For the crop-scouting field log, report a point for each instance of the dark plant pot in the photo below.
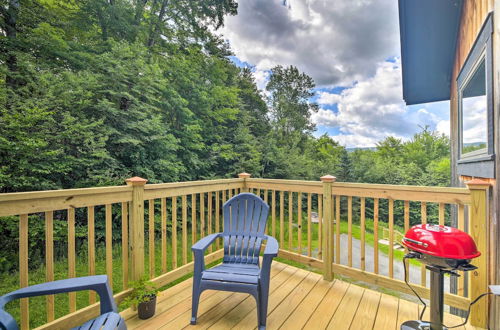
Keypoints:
(147, 309)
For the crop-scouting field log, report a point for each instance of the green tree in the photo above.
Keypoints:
(289, 101)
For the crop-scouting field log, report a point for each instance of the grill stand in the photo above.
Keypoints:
(436, 305)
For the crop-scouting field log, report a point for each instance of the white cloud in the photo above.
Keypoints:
(335, 42)
(261, 78)
(327, 98)
(443, 126)
(352, 140)
(325, 117)
(373, 109)
(475, 119)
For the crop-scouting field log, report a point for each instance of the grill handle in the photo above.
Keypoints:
(415, 242)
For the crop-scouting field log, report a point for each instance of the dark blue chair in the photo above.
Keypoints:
(109, 318)
(245, 217)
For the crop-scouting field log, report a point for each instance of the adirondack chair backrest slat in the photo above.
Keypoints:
(245, 217)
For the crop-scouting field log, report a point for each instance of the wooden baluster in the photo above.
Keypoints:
(151, 238)
(320, 226)
(349, 231)
(109, 245)
(184, 230)
(309, 207)
(125, 269)
(375, 235)
(266, 192)
(202, 214)
(461, 226)
(299, 221)
(423, 217)
(407, 227)
(273, 211)
(224, 200)
(337, 228)
(49, 261)
(217, 218)
(23, 268)
(71, 256)
(164, 235)
(91, 248)
(193, 219)
(441, 214)
(362, 225)
(282, 219)
(290, 220)
(391, 238)
(209, 225)
(174, 232)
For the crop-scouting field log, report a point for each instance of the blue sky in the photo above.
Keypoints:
(351, 49)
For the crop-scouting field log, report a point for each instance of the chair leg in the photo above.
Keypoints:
(258, 298)
(195, 300)
(262, 308)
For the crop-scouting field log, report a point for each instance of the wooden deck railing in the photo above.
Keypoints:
(174, 215)
(336, 203)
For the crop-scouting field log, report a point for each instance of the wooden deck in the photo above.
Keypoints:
(299, 299)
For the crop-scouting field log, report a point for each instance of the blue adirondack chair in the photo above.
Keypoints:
(245, 217)
(109, 318)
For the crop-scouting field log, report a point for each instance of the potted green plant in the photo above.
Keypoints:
(143, 296)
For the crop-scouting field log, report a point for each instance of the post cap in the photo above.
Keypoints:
(136, 181)
(244, 175)
(477, 183)
(328, 178)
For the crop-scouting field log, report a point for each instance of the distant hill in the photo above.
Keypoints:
(475, 144)
(361, 148)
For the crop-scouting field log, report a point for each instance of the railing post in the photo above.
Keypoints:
(136, 227)
(244, 176)
(327, 226)
(478, 229)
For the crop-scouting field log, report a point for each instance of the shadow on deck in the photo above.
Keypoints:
(299, 299)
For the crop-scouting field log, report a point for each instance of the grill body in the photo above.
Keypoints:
(443, 250)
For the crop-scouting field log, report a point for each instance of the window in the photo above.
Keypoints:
(474, 114)
(475, 108)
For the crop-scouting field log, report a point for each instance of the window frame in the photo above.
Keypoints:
(481, 162)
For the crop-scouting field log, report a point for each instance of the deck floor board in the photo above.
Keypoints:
(298, 299)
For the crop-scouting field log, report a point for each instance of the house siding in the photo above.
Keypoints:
(474, 14)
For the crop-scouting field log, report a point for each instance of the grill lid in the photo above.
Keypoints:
(441, 241)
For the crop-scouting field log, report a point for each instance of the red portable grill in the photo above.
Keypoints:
(444, 250)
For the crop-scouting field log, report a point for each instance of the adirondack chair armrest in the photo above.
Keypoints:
(98, 283)
(272, 247)
(205, 242)
(199, 248)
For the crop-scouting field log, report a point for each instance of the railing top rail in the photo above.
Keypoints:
(185, 184)
(397, 192)
(454, 190)
(18, 196)
(162, 190)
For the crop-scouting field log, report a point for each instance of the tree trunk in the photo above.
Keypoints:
(155, 28)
